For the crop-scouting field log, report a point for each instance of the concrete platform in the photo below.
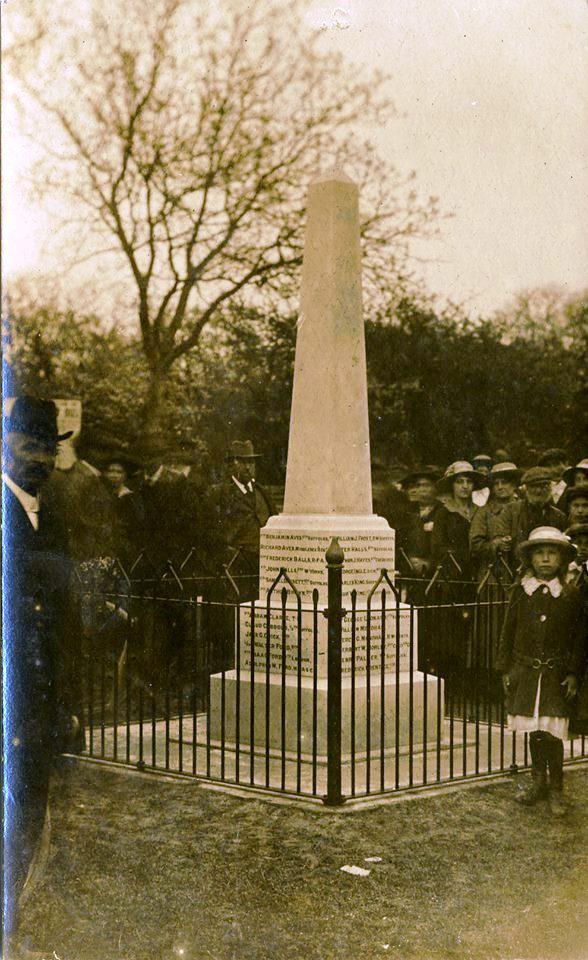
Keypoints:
(286, 701)
(466, 750)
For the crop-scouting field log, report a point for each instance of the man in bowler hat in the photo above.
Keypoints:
(240, 507)
(40, 645)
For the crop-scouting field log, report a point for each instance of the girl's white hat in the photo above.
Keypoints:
(550, 536)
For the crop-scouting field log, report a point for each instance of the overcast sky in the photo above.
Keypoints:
(494, 120)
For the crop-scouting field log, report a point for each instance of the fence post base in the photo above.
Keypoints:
(336, 801)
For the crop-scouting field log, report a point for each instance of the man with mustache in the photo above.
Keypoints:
(40, 646)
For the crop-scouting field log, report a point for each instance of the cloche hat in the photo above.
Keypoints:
(568, 475)
(461, 468)
(551, 536)
(571, 494)
(428, 473)
(127, 461)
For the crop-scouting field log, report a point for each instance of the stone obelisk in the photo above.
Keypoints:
(328, 476)
(328, 494)
(329, 451)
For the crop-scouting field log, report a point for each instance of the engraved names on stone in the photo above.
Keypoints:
(302, 555)
(283, 638)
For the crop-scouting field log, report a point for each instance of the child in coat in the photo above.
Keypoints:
(540, 657)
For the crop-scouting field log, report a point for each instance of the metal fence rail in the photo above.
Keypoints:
(359, 698)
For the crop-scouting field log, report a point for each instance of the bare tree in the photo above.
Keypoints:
(185, 142)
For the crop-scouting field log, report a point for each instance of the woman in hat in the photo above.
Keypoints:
(577, 476)
(125, 504)
(486, 543)
(573, 479)
(575, 504)
(540, 657)
(420, 488)
(451, 529)
(488, 549)
(578, 576)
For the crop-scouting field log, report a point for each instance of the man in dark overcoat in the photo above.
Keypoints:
(40, 637)
(78, 495)
(239, 508)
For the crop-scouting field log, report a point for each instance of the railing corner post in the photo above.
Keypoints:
(334, 614)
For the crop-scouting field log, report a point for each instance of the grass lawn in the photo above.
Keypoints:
(142, 868)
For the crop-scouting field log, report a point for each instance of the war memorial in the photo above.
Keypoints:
(328, 495)
(335, 686)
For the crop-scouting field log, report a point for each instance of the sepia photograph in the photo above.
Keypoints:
(294, 479)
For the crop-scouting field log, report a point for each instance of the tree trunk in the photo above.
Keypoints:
(151, 439)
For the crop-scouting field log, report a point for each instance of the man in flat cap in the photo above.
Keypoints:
(535, 509)
(41, 638)
(555, 461)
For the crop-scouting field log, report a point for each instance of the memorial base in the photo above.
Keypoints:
(232, 696)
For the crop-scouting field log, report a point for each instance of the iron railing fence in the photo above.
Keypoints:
(358, 697)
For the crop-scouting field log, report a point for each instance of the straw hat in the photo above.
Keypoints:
(505, 471)
(461, 468)
(548, 536)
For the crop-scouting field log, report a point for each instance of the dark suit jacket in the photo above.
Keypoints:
(420, 541)
(451, 533)
(236, 518)
(87, 509)
(41, 628)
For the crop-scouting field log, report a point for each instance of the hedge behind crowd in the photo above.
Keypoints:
(442, 386)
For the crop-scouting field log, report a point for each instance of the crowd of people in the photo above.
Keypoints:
(473, 517)
(470, 520)
(466, 521)
(120, 508)
(486, 521)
